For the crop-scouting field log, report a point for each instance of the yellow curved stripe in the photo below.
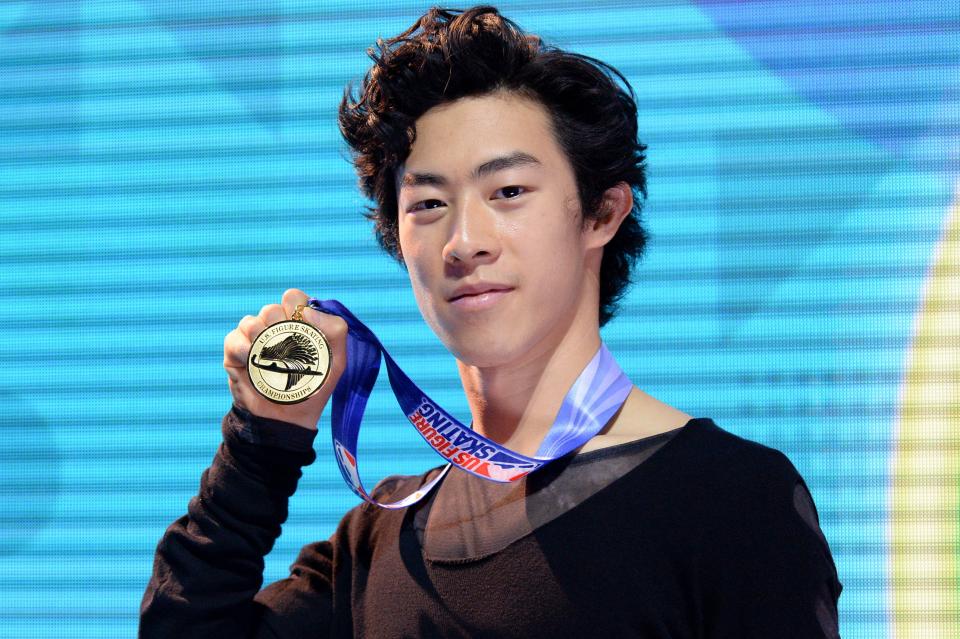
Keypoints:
(925, 521)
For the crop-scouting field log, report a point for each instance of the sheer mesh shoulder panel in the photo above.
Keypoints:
(468, 518)
(826, 607)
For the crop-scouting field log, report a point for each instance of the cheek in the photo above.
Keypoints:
(409, 251)
(403, 240)
(559, 272)
(418, 269)
(556, 252)
(418, 278)
(420, 282)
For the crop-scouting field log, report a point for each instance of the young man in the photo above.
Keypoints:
(507, 178)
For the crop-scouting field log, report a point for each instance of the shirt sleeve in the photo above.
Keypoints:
(208, 567)
(771, 573)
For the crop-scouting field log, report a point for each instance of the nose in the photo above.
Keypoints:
(473, 238)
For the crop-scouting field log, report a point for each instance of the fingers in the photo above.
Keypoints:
(291, 298)
(332, 326)
(236, 345)
(236, 350)
(271, 314)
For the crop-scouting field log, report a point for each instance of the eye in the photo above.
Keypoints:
(424, 205)
(510, 192)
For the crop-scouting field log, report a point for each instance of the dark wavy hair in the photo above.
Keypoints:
(449, 54)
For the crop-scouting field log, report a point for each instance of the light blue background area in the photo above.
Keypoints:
(169, 167)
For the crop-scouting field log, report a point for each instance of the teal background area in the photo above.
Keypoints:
(167, 168)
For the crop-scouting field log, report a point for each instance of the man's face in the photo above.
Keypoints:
(489, 229)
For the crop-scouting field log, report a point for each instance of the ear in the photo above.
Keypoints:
(616, 206)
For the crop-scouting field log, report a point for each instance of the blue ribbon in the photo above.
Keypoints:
(598, 392)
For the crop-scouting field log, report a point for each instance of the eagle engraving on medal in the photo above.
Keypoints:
(289, 361)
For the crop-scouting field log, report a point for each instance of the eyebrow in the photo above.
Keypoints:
(509, 161)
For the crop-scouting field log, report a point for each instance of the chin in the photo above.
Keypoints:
(486, 339)
(479, 350)
(475, 358)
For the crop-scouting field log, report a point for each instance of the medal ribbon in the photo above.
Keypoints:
(598, 392)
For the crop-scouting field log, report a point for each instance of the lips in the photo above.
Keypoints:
(474, 290)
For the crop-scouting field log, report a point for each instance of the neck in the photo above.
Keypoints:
(516, 404)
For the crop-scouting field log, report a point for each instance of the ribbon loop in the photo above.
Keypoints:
(595, 396)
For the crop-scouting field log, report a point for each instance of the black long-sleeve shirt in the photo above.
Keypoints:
(695, 533)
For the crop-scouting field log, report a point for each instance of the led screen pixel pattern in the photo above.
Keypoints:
(170, 167)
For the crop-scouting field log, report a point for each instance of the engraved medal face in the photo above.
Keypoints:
(289, 361)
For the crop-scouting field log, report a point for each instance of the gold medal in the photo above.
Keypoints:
(289, 360)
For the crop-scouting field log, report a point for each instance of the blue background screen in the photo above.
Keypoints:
(169, 167)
